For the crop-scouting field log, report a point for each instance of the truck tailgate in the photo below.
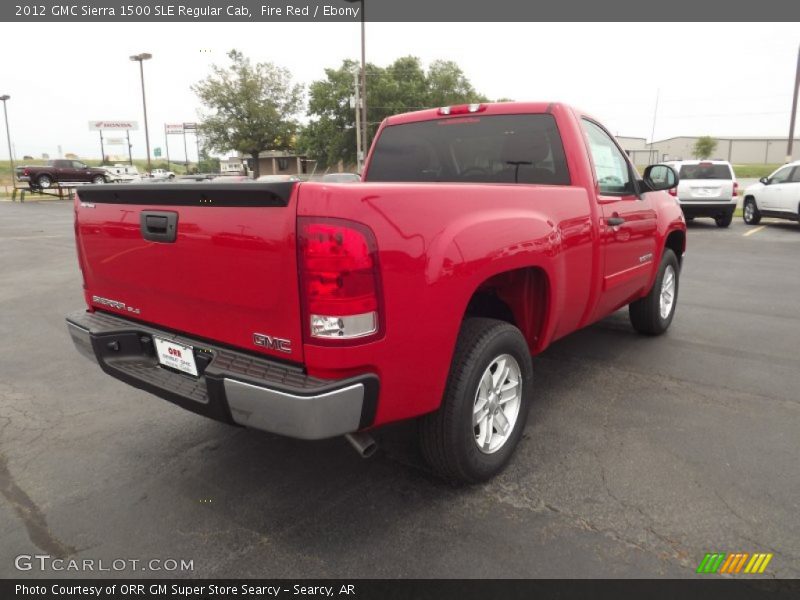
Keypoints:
(229, 274)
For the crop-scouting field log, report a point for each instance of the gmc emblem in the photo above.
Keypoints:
(273, 343)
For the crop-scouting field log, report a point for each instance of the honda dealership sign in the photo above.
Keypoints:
(119, 125)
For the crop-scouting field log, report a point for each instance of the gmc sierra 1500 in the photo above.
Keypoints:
(477, 236)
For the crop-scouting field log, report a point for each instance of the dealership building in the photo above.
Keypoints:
(737, 150)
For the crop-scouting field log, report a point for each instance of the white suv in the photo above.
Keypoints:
(706, 188)
(776, 196)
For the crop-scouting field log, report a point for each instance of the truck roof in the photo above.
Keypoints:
(491, 108)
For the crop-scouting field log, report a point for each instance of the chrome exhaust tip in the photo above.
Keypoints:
(363, 443)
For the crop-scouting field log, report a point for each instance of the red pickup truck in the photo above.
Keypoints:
(477, 236)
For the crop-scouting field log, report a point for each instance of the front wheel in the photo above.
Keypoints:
(480, 422)
(98, 179)
(653, 314)
(750, 212)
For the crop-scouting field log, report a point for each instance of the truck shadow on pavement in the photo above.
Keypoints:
(317, 499)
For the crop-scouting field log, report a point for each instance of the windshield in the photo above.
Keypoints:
(476, 149)
(705, 171)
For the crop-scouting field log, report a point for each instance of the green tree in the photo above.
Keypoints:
(704, 147)
(250, 107)
(400, 87)
(207, 164)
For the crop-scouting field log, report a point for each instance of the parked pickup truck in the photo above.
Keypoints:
(477, 236)
(61, 171)
(162, 174)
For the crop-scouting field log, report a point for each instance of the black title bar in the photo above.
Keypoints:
(283, 11)
(710, 588)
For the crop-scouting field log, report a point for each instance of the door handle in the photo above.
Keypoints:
(615, 221)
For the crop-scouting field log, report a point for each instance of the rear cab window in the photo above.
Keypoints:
(522, 149)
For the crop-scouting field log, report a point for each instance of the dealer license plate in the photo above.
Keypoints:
(176, 356)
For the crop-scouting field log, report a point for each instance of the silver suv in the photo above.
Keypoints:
(707, 188)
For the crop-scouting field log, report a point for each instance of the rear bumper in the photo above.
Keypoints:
(694, 208)
(233, 386)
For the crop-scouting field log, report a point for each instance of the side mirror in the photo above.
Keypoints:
(764, 180)
(660, 177)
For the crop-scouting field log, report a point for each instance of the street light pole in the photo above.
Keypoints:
(4, 98)
(794, 109)
(140, 58)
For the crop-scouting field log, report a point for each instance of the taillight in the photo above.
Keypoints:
(26, 172)
(673, 191)
(339, 279)
(735, 188)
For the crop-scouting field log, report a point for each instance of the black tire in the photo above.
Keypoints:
(448, 436)
(751, 217)
(44, 182)
(98, 179)
(645, 313)
(724, 220)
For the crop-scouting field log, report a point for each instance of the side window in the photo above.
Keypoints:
(796, 175)
(781, 176)
(76, 164)
(611, 168)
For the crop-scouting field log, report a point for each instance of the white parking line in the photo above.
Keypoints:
(752, 231)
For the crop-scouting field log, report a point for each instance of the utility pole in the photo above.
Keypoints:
(102, 148)
(359, 155)
(365, 122)
(655, 114)
(130, 151)
(197, 143)
(185, 152)
(166, 144)
(140, 58)
(794, 110)
(5, 98)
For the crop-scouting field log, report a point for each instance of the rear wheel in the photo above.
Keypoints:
(750, 212)
(44, 181)
(653, 314)
(724, 220)
(476, 429)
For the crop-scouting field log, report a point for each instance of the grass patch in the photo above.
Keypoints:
(754, 171)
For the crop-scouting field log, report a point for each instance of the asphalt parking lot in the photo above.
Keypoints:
(640, 455)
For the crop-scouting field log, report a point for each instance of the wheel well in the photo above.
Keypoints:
(676, 241)
(518, 297)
